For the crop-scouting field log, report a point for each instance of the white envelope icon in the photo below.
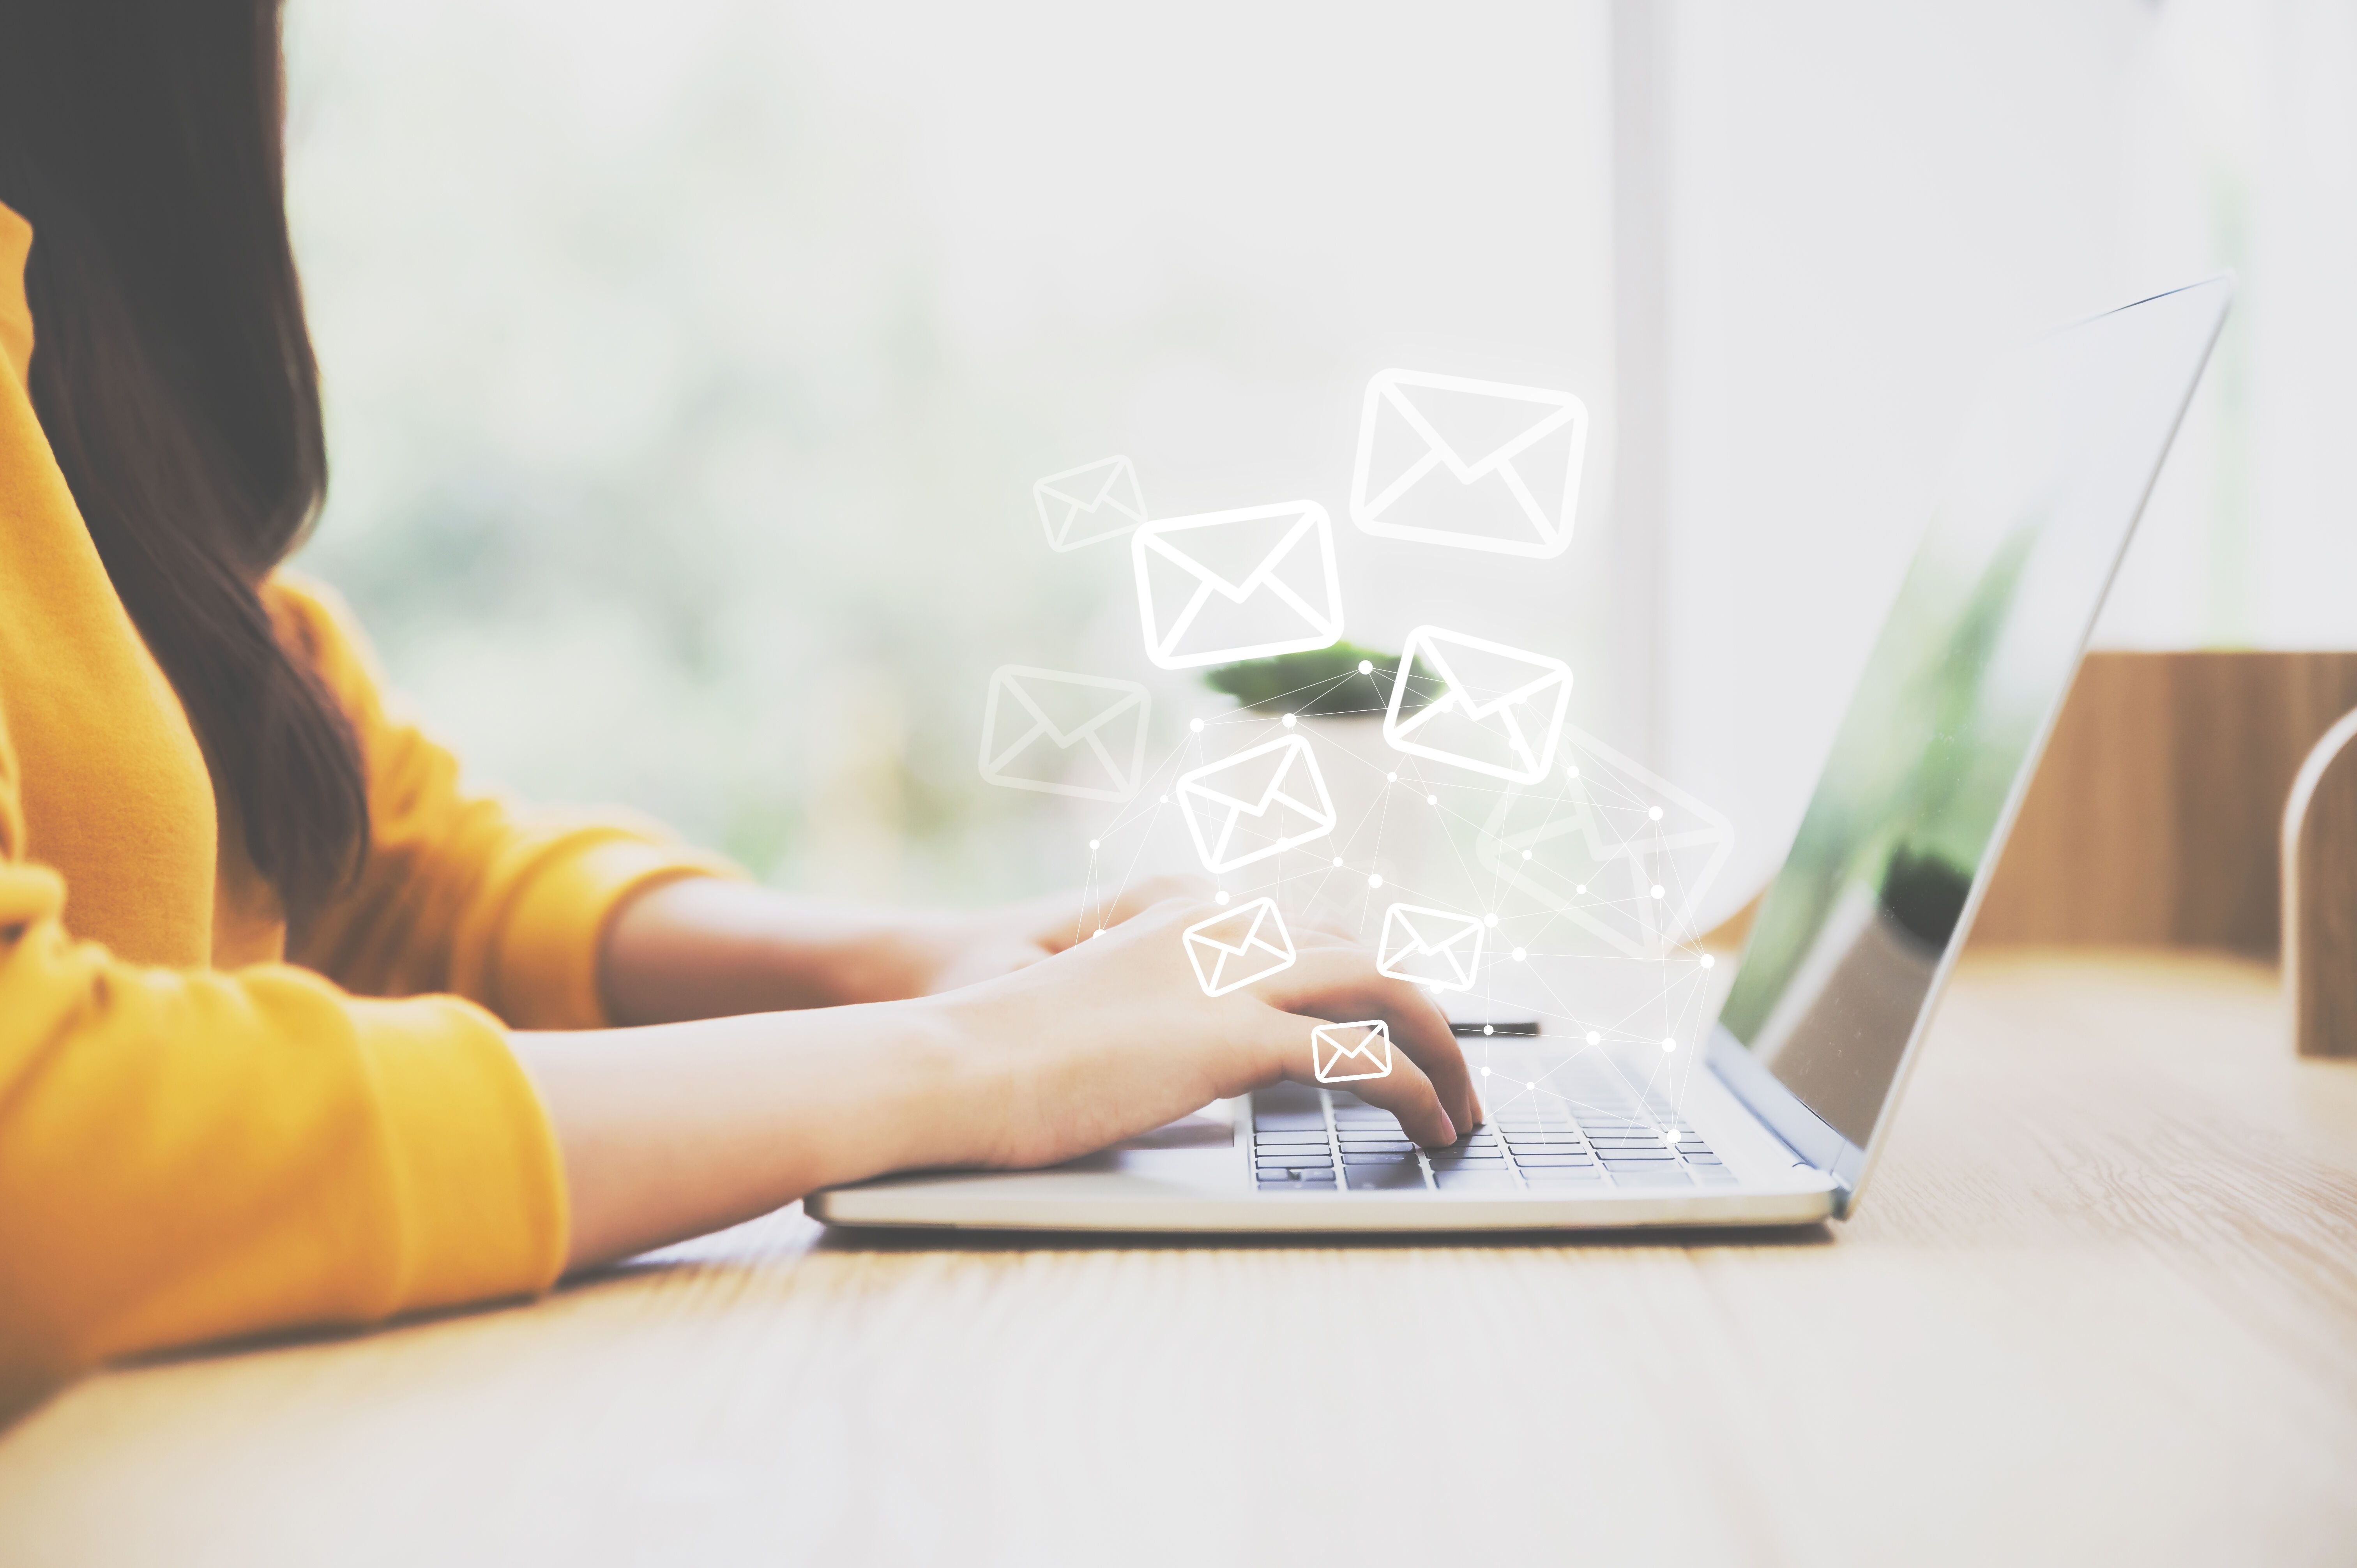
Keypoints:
(1489, 708)
(1345, 1052)
(1475, 464)
(1082, 735)
(1432, 946)
(1096, 500)
(1259, 802)
(1598, 844)
(1247, 584)
(1238, 946)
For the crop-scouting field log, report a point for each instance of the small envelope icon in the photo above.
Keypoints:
(1259, 802)
(1345, 1052)
(1238, 946)
(1432, 946)
(1096, 500)
(1247, 584)
(1489, 708)
(1475, 464)
(1082, 735)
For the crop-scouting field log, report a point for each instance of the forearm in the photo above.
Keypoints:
(704, 948)
(672, 1131)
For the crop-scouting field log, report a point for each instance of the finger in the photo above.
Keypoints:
(1341, 985)
(1403, 1090)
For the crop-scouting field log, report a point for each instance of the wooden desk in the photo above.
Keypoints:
(2099, 1306)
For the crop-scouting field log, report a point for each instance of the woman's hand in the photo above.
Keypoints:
(672, 1131)
(1115, 1037)
(705, 948)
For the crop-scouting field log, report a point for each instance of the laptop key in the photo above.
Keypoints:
(1654, 1177)
(1393, 1175)
(1483, 1181)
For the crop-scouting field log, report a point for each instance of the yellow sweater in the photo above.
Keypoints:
(199, 1139)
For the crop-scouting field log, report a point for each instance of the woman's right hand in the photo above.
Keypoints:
(669, 1130)
(1115, 1037)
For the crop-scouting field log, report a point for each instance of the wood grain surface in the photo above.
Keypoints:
(2100, 1305)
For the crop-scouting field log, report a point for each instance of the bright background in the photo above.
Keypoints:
(687, 376)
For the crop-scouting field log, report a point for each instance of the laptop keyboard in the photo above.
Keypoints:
(1316, 1139)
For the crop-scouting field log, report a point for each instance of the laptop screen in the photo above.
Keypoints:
(2053, 466)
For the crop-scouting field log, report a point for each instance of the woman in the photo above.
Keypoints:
(292, 1030)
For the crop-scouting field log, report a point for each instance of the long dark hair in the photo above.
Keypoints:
(172, 375)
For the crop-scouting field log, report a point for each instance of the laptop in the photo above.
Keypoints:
(1780, 1118)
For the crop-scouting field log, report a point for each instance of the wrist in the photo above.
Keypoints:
(934, 1078)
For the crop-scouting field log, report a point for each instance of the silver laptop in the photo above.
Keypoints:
(1781, 1120)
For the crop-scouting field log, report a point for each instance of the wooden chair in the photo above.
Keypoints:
(2319, 896)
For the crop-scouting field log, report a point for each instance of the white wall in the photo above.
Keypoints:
(1867, 199)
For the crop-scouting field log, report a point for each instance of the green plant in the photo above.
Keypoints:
(1326, 681)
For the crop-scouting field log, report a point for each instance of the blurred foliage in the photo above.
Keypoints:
(1323, 683)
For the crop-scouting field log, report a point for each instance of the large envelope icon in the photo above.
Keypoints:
(1060, 734)
(1487, 707)
(1479, 464)
(1246, 584)
(1259, 802)
(1346, 1053)
(1094, 501)
(1437, 948)
(1593, 848)
(1238, 946)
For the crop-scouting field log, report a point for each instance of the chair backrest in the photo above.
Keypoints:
(2319, 896)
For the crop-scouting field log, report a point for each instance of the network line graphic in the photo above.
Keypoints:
(1585, 887)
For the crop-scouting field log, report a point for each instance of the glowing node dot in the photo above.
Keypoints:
(1655, 813)
(1366, 666)
(1489, 1028)
(1290, 721)
(1526, 855)
(1657, 890)
(1095, 934)
(1375, 879)
(1337, 860)
(1166, 799)
(1530, 1086)
(1669, 1043)
(1521, 953)
(1220, 896)
(1708, 962)
(1669, 1135)
(1432, 800)
(1092, 843)
(1391, 777)
(1195, 724)
(1491, 921)
(1595, 1037)
(1571, 773)
(1485, 1072)
(1581, 888)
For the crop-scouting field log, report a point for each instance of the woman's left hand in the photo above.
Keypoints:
(706, 947)
(947, 951)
